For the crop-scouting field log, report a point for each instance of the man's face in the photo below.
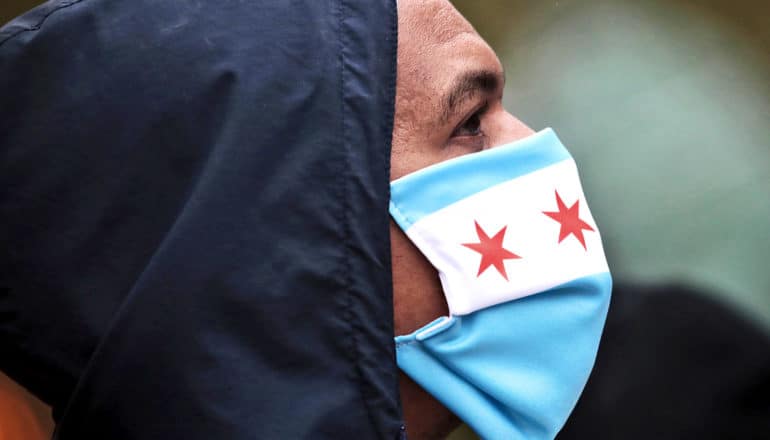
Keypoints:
(448, 103)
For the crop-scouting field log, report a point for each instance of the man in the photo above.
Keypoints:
(195, 200)
(437, 50)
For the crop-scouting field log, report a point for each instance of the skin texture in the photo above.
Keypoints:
(22, 416)
(437, 50)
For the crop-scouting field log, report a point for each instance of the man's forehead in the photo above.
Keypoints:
(436, 43)
(441, 61)
(433, 22)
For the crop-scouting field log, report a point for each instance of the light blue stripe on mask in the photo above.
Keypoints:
(515, 370)
(420, 194)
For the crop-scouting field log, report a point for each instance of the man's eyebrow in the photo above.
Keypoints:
(468, 85)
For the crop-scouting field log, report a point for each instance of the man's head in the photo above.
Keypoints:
(448, 103)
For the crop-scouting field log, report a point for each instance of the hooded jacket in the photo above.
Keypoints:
(193, 217)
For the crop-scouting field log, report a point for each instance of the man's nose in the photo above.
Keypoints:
(506, 128)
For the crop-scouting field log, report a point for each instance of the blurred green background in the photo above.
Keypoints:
(12, 8)
(665, 104)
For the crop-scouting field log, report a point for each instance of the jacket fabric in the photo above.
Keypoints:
(193, 217)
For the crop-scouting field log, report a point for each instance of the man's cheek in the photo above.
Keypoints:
(417, 294)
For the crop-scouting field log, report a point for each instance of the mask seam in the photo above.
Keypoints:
(402, 344)
(403, 216)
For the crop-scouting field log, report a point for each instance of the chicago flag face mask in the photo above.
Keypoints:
(525, 278)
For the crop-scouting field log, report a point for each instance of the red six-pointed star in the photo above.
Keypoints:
(570, 221)
(491, 250)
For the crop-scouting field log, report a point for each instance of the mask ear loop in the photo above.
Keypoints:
(435, 327)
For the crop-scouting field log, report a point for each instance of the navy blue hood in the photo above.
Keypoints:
(193, 217)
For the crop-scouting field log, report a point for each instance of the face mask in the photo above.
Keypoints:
(524, 274)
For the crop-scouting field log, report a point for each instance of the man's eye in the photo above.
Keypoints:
(471, 127)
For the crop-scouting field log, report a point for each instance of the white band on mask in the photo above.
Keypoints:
(538, 251)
